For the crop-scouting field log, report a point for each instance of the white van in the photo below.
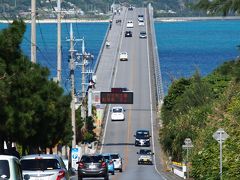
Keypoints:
(10, 168)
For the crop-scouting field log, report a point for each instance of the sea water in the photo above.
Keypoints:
(183, 47)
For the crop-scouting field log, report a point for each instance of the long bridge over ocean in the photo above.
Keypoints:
(141, 75)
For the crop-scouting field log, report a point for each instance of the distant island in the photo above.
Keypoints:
(76, 9)
(159, 19)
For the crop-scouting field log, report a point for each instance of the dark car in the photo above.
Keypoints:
(92, 166)
(142, 138)
(143, 34)
(128, 34)
(130, 8)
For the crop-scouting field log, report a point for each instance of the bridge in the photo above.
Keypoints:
(141, 75)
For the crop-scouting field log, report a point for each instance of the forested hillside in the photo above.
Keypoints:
(196, 108)
(161, 8)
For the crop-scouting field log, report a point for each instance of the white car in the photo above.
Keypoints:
(123, 56)
(141, 23)
(145, 156)
(44, 167)
(130, 24)
(117, 114)
(10, 168)
(117, 160)
(140, 17)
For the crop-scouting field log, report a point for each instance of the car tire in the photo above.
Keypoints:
(80, 178)
(120, 170)
(106, 177)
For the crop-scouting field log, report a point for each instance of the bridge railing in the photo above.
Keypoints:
(158, 75)
(101, 49)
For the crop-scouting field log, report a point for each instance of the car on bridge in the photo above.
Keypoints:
(123, 56)
(140, 17)
(128, 33)
(117, 113)
(142, 34)
(142, 138)
(145, 156)
(141, 23)
(130, 24)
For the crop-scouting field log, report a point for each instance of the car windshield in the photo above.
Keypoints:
(114, 156)
(4, 169)
(40, 164)
(142, 33)
(90, 159)
(145, 151)
(117, 110)
(107, 157)
(142, 134)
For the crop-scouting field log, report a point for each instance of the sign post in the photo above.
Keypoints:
(75, 156)
(188, 145)
(220, 135)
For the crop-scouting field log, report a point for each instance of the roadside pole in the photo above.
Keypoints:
(220, 135)
(188, 145)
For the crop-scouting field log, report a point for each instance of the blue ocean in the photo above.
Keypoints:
(183, 47)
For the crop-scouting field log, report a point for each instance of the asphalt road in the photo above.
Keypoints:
(134, 75)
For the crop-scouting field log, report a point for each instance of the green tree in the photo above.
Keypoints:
(34, 110)
(224, 7)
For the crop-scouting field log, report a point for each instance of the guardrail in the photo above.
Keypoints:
(101, 49)
(158, 75)
(179, 169)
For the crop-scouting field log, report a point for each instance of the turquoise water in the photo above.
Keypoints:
(183, 46)
(93, 34)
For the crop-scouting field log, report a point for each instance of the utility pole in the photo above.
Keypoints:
(59, 49)
(33, 31)
(83, 68)
(72, 68)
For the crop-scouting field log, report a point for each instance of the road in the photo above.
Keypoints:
(136, 75)
(133, 74)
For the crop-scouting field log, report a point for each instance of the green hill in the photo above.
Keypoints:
(196, 108)
(162, 8)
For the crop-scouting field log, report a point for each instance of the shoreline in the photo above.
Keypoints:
(179, 19)
(158, 19)
(46, 21)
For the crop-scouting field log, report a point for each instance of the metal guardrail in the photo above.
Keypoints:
(101, 50)
(158, 75)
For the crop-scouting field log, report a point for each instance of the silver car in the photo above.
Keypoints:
(44, 167)
(10, 168)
